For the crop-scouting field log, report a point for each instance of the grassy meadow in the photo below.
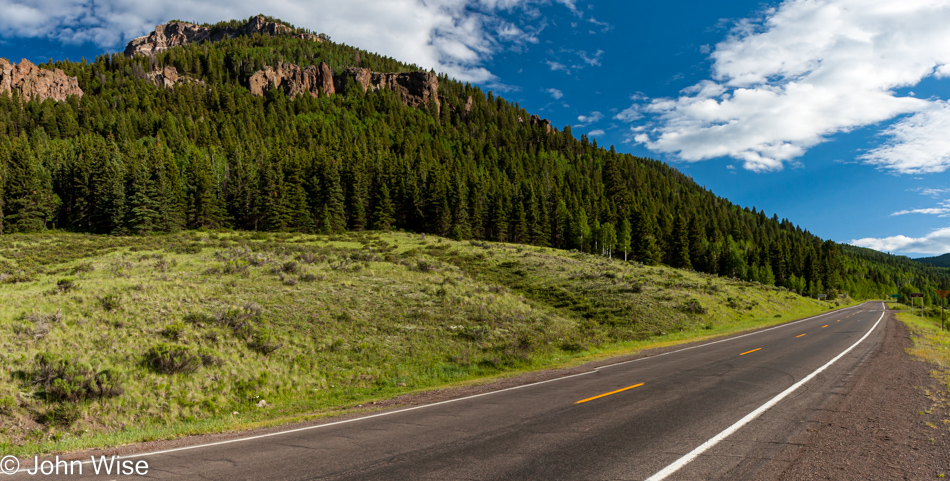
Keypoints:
(931, 344)
(113, 340)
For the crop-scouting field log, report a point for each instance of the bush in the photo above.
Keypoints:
(7, 405)
(263, 342)
(68, 380)
(65, 285)
(175, 331)
(63, 415)
(172, 359)
(110, 302)
(693, 306)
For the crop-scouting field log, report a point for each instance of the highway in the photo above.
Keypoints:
(720, 410)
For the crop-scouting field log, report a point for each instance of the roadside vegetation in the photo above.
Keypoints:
(931, 344)
(111, 340)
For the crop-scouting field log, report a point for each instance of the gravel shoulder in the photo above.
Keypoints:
(884, 426)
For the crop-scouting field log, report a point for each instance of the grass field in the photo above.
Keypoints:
(931, 344)
(113, 340)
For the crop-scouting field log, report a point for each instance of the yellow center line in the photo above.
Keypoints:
(608, 393)
(826, 325)
(800, 335)
(839, 320)
(744, 353)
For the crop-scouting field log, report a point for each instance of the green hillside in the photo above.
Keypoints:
(130, 157)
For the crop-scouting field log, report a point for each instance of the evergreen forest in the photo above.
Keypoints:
(132, 158)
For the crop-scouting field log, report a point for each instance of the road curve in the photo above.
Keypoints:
(630, 420)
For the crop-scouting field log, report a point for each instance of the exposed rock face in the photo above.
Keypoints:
(166, 36)
(416, 88)
(174, 34)
(32, 82)
(294, 80)
(545, 123)
(168, 77)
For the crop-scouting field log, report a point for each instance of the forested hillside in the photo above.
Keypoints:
(938, 261)
(130, 157)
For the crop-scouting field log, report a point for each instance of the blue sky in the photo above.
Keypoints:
(831, 113)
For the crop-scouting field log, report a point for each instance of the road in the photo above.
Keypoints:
(630, 420)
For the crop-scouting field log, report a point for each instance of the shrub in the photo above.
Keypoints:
(63, 415)
(7, 405)
(175, 331)
(110, 302)
(263, 342)
(172, 359)
(65, 285)
(68, 380)
(693, 306)
(289, 267)
(310, 277)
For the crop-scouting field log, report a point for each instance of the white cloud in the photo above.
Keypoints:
(596, 133)
(451, 36)
(592, 118)
(918, 144)
(557, 94)
(806, 70)
(555, 66)
(942, 210)
(936, 243)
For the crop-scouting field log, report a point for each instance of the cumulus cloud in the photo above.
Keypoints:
(935, 243)
(557, 94)
(592, 118)
(596, 133)
(451, 36)
(786, 81)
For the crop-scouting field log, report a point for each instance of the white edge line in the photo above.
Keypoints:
(683, 461)
(387, 413)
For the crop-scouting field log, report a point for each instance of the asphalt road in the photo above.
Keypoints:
(622, 421)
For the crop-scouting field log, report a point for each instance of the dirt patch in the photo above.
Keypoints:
(884, 427)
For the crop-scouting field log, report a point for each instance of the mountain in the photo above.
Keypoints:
(937, 261)
(259, 125)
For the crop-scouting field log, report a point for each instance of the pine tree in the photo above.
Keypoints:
(383, 217)
(680, 245)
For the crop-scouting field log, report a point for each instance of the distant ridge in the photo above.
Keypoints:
(937, 261)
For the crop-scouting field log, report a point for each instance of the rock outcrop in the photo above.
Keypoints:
(294, 80)
(166, 36)
(175, 34)
(32, 82)
(415, 88)
(168, 77)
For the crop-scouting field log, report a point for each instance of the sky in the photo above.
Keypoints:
(833, 114)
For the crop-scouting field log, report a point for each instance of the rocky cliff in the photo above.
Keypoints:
(174, 34)
(294, 80)
(415, 88)
(32, 82)
(168, 77)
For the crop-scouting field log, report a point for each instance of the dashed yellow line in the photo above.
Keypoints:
(608, 393)
(826, 325)
(800, 335)
(747, 352)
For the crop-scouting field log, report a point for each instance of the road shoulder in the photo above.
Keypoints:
(879, 428)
